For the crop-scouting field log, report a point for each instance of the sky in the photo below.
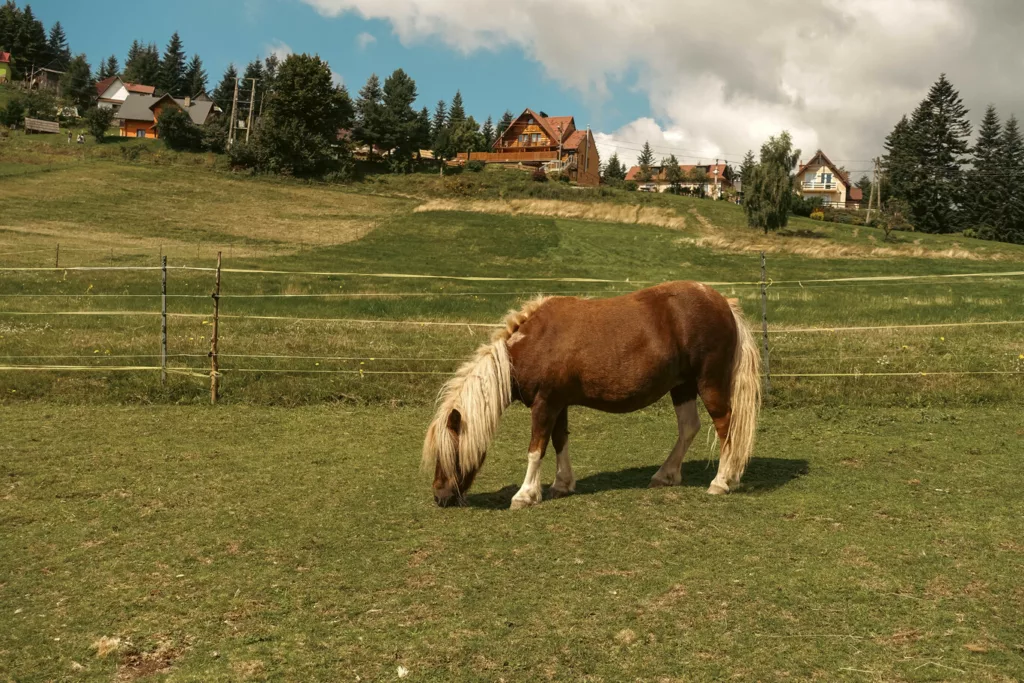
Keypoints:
(699, 79)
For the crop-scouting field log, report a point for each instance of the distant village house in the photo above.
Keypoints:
(716, 178)
(112, 92)
(549, 142)
(139, 113)
(45, 79)
(820, 179)
(5, 67)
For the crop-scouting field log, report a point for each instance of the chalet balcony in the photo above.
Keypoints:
(509, 156)
(821, 187)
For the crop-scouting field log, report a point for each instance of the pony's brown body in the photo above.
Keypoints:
(615, 355)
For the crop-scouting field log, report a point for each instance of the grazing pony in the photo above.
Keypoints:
(617, 355)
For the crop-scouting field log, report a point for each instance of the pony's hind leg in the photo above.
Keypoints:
(565, 482)
(688, 420)
(717, 404)
(531, 492)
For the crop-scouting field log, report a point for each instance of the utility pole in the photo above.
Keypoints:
(234, 116)
(252, 104)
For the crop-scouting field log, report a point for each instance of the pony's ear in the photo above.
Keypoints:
(454, 421)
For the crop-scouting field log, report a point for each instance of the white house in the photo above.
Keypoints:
(113, 92)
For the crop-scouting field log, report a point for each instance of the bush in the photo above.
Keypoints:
(176, 129)
(97, 122)
(130, 152)
(13, 114)
(539, 175)
(630, 186)
(804, 206)
(970, 233)
(245, 155)
(475, 165)
(817, 215)
(215, 135)
(563, 177)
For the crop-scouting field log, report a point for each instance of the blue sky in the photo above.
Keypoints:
(223, 31)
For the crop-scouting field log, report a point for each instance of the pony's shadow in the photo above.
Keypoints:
(763, 475)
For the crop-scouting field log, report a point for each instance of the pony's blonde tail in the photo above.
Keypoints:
(745, 400)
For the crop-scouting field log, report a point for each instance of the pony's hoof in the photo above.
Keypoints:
(559, 493)
(662, 484)
(521, 503)
(716, 490)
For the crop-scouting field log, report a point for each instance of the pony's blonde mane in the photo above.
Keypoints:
(480, 391)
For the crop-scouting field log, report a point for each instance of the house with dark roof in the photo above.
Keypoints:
(112, 92)
(820, 179)
(549, 142)
(5, 67)
(715, 179)
(139, 113)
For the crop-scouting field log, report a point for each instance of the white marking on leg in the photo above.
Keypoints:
(565, 480)
(531, 492)
(670, 473)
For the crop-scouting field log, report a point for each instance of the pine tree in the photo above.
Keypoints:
(747, 169)
(253, 70)
(30, 42)
(195, 77)
(900, 161)
(440, 120)
(172, 67)
(488, 133)
(57, 47)
(940, 131)
(143, 64)
(1010, 217)
(370, 114)
(984, 196)
(456, 112)
(113, 68)
(768, 191)
(78, 84)
(224, 94)
(400, 120)
(506, 120)
(645, 161)
(423, 131)
(614, 171)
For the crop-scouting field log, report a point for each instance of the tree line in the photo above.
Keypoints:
(949, 185)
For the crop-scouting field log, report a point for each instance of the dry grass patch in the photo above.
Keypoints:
(605, 213)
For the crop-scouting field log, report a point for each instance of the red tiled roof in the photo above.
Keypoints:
(101, 86)
(574, 140)
(856, 194)
(658, 172)
(141, 89)
(564, 121)
(5, 57)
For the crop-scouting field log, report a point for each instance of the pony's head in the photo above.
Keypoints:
(453, 475)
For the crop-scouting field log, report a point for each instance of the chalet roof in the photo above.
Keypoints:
(568, 126)
(5, 57)
(101, 86)
(550, 125)
(574, 140)
(140, 89)
(819, 157)
(140, 108)
(658, 172)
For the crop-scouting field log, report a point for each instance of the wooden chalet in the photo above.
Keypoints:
(549, 142)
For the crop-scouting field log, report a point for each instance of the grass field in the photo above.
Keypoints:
(287, 533)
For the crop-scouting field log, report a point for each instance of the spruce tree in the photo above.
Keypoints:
(488, 133)
(456, 112)
(440, 120)
(982, 196)
(195, 77)
(614, 171)
(940, 133)
(645, 161)
(78, 84)
(30, 42)
(224, 94)
(112, 67)
(57, 47)
(369, 129)
(506, 120)
(1010, 217)
(253, 70)
(172, 67)
(901, 159)
(143, 64)
(400, 121)
(747, 169)
(424, 135)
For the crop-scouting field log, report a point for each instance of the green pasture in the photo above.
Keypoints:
(287, 533)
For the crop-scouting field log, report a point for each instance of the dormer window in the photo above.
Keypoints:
(529, 122)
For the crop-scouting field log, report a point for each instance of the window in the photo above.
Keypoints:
(826, 178)
(522, 140)
(529, 122)
(140, 132)
(535, 138)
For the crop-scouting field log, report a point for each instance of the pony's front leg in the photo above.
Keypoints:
(531, 492)
(565, 482)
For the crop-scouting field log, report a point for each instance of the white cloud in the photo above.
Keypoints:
(722, 78)
(279, 49)
(365, 40)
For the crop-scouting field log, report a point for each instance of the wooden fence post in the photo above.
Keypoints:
(214, 365)
(163, 320)
(56, 263)
(764, 324)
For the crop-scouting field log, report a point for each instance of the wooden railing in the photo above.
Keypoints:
(507, 157)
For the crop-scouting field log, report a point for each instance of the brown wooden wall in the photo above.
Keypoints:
(588, 163)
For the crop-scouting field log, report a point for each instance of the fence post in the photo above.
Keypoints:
(56, 263)
(163, 320)
(214, 366)
(764, 323)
